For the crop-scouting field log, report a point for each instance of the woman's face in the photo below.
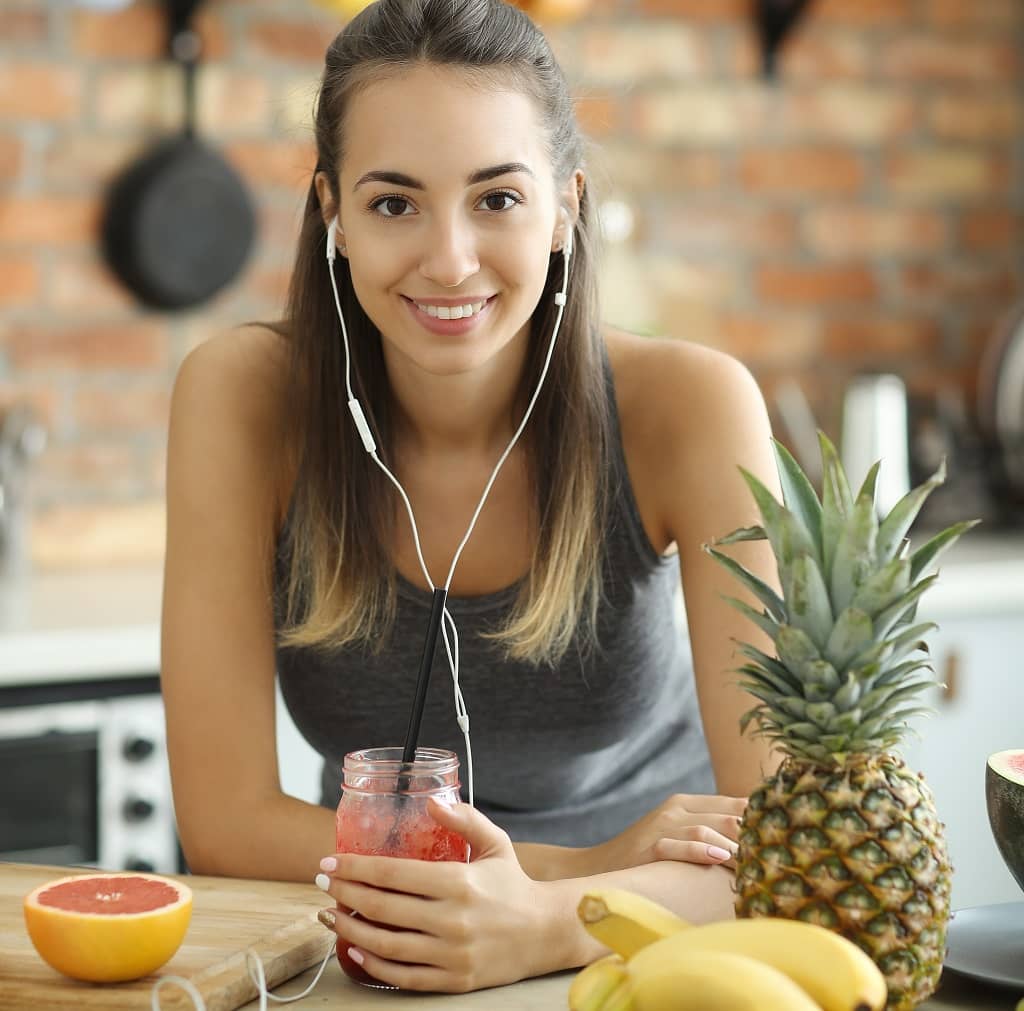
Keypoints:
(448, 209)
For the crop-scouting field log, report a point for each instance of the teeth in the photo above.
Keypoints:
(451, 311)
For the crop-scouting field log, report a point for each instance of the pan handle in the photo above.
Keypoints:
(184, 47)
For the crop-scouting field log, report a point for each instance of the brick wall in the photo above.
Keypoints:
(865, 211)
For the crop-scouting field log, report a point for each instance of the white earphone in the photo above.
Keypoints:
(356, 410)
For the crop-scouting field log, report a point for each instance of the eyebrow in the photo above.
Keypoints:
(479, 176)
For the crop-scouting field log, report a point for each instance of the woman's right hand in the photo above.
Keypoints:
(693, 828)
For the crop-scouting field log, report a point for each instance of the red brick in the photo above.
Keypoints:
(884, 337)
(90, 345)
(763, 341)
(39, 91)
(975, 13)
(940, 284)
(861, 13)
(848, 113)
(993, 230)
(799, 170)
(139, 32)
(992, 116)
(702, 114)
(24, 26)
(806, 56)
(630, 53)
(83, 284)
(728, 11)
(944, 173)
(921, 57)
(275, 163)
(19, 279)
(640, 169)
(124, 409)
(865, 231)
(599, 115)
(725, 227)
(48, 220)
(85, 163)
(10, 158)
(292, 41)
(815, 285)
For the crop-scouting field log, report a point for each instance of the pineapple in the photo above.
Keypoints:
(843, 834)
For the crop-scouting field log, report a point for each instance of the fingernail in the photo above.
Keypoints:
(356, 955)
(322, 881)
(717, 853)
(327, 918)
(328, 864)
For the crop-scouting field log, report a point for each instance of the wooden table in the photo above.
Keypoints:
(548, 993)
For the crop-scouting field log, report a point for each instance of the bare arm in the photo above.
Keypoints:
(217, 667)
(725, 426)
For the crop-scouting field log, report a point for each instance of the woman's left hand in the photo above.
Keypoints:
(464, 926)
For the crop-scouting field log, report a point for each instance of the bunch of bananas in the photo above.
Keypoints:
(662, 963)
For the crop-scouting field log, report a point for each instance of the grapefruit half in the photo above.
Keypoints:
(107, 928)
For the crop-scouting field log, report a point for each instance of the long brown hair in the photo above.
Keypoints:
(340, 586)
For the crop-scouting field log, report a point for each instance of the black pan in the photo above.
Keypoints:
(178, 223)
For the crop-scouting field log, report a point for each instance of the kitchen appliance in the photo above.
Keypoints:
(85, 778)
(178, 223)
(1001, 406)
(874, 427)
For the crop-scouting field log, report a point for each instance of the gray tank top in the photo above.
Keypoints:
(570, 754)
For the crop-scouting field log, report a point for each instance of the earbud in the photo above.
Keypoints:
(567, 248)
(332, 230)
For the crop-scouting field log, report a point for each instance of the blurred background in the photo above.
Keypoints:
(839, 205)
(863, 211)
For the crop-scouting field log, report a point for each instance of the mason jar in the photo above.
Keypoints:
(383, 812)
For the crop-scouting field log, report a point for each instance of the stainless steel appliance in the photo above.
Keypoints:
(83, 775)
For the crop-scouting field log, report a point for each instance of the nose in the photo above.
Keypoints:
(450, 253)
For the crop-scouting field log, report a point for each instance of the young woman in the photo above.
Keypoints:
(452, 171)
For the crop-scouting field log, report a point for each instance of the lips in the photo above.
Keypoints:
(426, 314)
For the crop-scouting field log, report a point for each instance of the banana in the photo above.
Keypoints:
(831, 969)
(662, 978)
(625, 921)
(600, 986)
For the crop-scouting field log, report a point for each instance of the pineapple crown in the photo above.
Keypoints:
(844, 678)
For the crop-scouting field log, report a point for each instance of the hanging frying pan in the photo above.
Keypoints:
(178, 223)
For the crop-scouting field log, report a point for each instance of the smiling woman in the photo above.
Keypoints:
(562, 475)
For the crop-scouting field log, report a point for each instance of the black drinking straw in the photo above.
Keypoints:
(426, 663)
(422, 682)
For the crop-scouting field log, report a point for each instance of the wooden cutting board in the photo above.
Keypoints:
(276, 919)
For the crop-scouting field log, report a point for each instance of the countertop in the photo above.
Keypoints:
(57, 625)
(548, 993)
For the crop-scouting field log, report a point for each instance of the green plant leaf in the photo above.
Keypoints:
(789, 538)
(836, 503)
(799, 494)
(868, 488)
(852, 632)
(762, 619)
(855, 553)
(807, 599)
(932, 550)
(754, 533)
(898, 522)
(883, 587)
(896, 614)
(771, 600)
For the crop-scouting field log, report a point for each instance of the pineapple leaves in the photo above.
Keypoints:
(807, 599)
(904, 608)
(855, 553)
(852, 633)
(903, 514)
(883, 587)
(755, 533)
(799, 495)
(836, 503)
(795, 647)
(867, 489)
(930, 551)
(771, 600)
(789, 538)
(760, 618)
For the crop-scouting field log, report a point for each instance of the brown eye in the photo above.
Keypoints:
(499, 201)
(391, 207)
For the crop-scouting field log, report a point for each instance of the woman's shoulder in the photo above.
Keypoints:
(230, 398)
(665, 384)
